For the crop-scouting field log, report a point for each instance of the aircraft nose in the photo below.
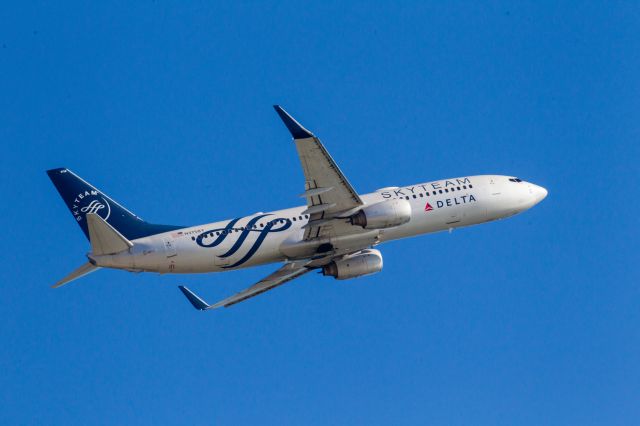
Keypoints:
(539, 192)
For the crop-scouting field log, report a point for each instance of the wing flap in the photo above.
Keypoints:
(315, 191)
(318, 208)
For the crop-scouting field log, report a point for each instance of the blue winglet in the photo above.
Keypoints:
(197, 303)
(296, 129)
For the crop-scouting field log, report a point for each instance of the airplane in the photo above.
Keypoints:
(334, 233)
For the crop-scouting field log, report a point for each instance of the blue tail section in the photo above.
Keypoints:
(81, 198)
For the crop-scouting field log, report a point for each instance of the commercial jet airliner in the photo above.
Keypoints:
(334, 233)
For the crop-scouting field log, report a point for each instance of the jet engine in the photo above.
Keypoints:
(362, 263)
(384, 214)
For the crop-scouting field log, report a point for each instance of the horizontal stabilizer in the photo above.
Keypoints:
(85, 269)
(105, 239)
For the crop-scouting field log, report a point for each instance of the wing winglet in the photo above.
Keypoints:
(193, 298)
(296, 129)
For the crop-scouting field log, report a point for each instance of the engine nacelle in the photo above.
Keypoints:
(384, 214)
(362, 263)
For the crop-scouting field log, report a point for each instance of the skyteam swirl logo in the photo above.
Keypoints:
(214, 237)
(90, 202)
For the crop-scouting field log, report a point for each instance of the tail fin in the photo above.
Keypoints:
(82, 198)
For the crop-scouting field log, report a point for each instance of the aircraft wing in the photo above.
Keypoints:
(286, 273)
(328, 192)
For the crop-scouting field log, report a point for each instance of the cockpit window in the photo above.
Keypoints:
(515, 180)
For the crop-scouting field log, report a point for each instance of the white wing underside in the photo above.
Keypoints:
(286, 273)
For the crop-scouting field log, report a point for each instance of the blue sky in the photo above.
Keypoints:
(166, 106)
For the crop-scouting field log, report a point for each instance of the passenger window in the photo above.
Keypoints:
(407, 197)
(470, 186)
(464, 186)
(440, 191)
(446, 190)
(458, 188)
(420, 195)
(193, 238)
(427, 193)
(294, 219)
(414, 196)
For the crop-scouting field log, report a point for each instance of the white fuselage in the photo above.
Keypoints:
(278, 236)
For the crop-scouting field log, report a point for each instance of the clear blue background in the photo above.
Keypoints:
(166, 106)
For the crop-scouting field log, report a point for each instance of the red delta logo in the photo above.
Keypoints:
(428, 207)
